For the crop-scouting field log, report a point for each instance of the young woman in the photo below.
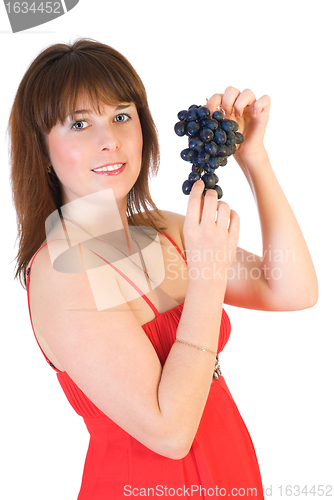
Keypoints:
(134, 348)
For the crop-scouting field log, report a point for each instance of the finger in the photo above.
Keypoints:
(229, 97)
(223, 215)
(193, 213)
(214, 102)
(201, 207)
(261, 104)
(234, 226)
(246, 98)
(209, 208)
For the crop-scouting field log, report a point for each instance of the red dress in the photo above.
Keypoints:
(221, 461)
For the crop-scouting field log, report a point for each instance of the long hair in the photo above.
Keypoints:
(50, 88)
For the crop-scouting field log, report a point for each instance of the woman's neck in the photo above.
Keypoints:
(95, 215)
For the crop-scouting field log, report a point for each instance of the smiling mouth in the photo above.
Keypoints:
(109, 168)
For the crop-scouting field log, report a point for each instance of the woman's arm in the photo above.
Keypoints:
(109, 356)
(284, 277)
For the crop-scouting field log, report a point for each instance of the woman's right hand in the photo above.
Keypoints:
(210, 241)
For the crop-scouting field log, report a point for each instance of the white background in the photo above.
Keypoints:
(278, 366)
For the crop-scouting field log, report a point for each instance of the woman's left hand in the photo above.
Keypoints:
(251, 114)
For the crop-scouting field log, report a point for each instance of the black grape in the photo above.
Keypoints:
(226, 125)
(235, 126)
(182, 114)
(203, 158)
(214, 162)
(207, 135)
(193, 177)
(189, 155)
(222, 151)
(208, 169)
(211, 148)
(239, 138)
(217, 115)
(192, 115)
(203, 112)
(219, 191)
(220, 136)
(209, 123)
(193, 128)
(230, 138)
(209, 181)
(196, 143)
(180, 128)
(186, 187)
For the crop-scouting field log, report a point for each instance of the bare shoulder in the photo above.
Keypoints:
(51, 279)
(175, 220)
(174, 226)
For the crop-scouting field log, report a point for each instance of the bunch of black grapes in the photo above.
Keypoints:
(211, 141)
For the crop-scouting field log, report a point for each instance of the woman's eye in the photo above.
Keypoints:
(122, 117)
(80, 125)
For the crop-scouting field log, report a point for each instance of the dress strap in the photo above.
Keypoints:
(154, 309)
(175, 245)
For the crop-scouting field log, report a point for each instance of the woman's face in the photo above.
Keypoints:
(89, 143)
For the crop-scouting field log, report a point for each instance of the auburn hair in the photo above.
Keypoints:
(51, 87)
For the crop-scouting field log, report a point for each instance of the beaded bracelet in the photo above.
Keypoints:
(196, 346)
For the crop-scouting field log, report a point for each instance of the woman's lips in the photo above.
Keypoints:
(117, 171)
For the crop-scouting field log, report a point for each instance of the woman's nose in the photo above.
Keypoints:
(108, 140)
